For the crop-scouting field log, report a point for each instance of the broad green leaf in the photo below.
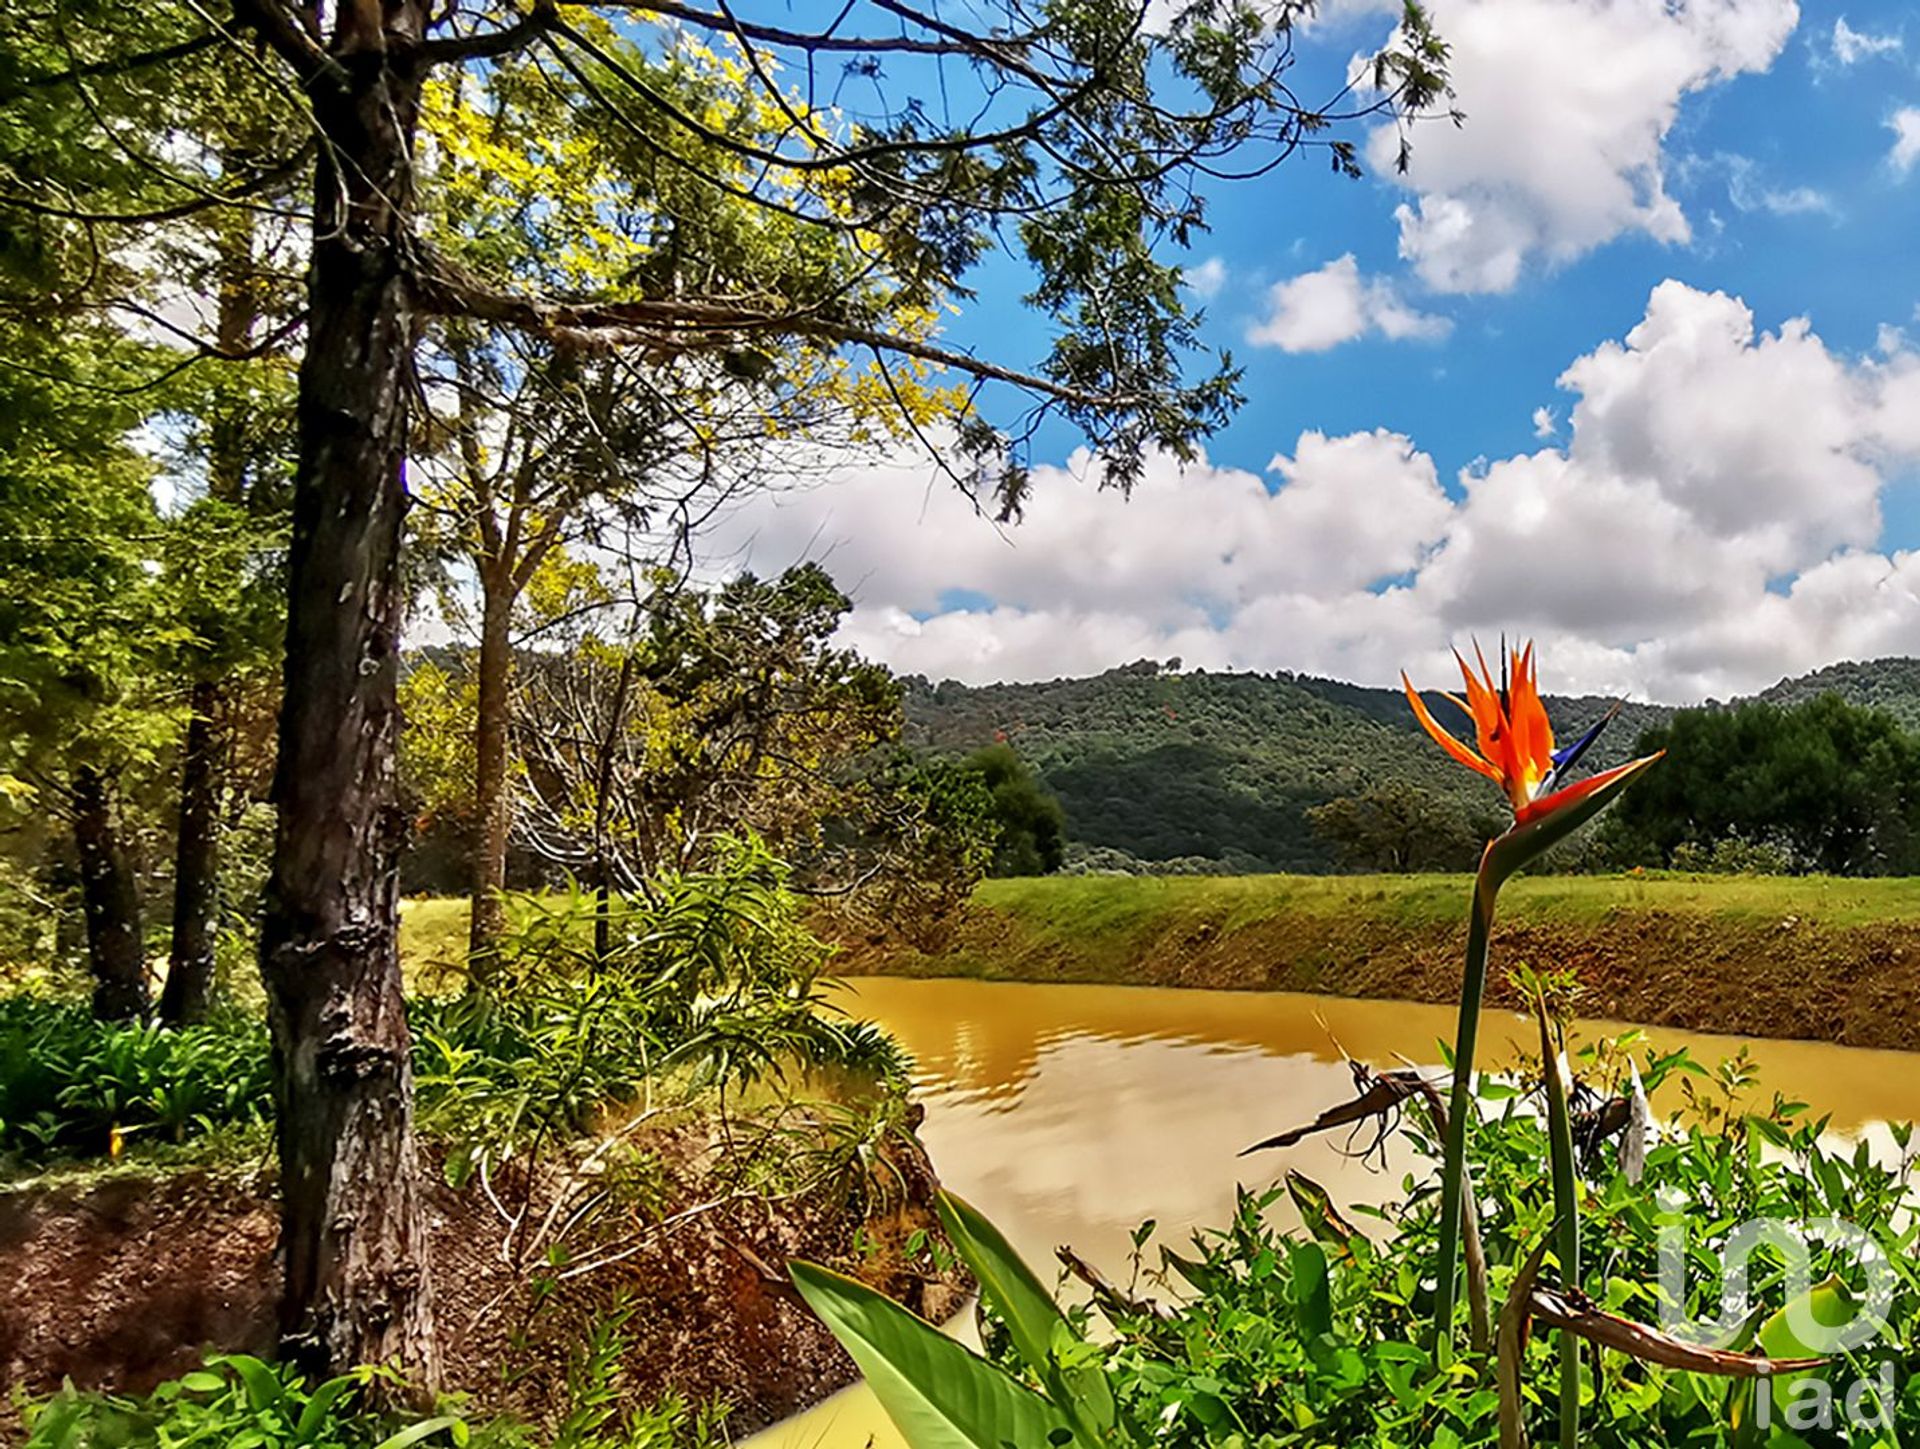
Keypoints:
(1033, 1318)
(938, 1393)
(264, 1388)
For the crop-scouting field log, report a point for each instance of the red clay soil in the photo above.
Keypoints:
(1854, 985)
(122, 1283)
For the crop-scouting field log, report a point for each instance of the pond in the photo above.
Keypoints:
(1070, 1114)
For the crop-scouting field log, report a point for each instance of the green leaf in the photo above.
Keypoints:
(264, 1388)
(314, 1416)
(425, 1429)
(938, 1393)
(1033, 1318)
(1312, 1288)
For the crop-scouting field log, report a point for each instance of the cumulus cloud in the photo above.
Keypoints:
(1545, 422)
(1321, 309)
(1705, 520)
(1850, 46)
(1905, 125)
(1568, 104)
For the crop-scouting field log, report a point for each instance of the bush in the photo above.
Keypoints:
(237, 1402)
(73, 1085)
(712, 978)
(240, 1402)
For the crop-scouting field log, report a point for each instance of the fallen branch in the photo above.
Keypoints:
(1570, 1312)
(1110, 1298)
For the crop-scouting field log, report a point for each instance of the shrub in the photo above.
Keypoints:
(73, 1085)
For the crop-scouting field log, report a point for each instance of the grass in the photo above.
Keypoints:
(1099, 916)
(1099, 905)
(433, 939)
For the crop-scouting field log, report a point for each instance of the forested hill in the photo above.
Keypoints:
(1889, 684)
(1162, 765)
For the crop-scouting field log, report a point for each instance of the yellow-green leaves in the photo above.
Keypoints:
(939, 1394)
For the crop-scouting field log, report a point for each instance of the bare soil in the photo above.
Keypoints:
(122, 1282)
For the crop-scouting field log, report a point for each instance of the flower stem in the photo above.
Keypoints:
(1566, 1209)
(1473, 987)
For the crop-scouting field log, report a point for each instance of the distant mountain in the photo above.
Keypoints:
(1164, 765)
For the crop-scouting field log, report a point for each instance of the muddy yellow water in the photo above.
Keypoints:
(1070, 1114)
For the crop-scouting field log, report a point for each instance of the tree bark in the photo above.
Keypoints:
(352, 1232)
(110, 892)
(602, 805)
(196, 887)
(203, 762)
(492, 804)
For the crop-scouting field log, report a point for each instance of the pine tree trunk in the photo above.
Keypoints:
(492, 804)
(196, 893)
(203, 762)
(353, 1233)
(110, 893)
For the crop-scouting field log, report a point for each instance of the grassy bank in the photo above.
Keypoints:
(1811, 957)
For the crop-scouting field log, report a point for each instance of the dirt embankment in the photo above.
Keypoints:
(123, 1282)
(1857, 985)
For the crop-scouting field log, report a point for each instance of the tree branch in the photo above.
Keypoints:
(685, 326)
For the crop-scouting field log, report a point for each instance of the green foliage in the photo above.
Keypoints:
(1400, 829)
(1225, 769)
(599, 1413)
(1031, 824)
(1314, 1336)
(714, 980)
(940, 1394)
(82, 623)
(1826, 785)
(241, 1403)
(712, 974)
(70, 1085)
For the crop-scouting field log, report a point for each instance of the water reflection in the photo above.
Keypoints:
(1069, 1114)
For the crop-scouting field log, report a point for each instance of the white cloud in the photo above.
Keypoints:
(1905, 125)
(1850, 45)
(1749, 190)
(1568, 103)
(1545, 422)
(1206, 279)
(1321, 309)
(1710, 523)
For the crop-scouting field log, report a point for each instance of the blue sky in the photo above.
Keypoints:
(1685, 231)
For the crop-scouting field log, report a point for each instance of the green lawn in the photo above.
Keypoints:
(1100, 904)
(1115, 910)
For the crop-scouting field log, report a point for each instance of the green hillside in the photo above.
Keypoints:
(1889, 684)
(1166, 765)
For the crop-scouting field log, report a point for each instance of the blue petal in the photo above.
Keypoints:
(1565, 759)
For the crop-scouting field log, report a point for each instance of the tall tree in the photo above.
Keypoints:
(82, 627)
(231, 416)
(1076, 144)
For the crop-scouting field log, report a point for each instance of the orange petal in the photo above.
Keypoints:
(1440, 736)
(1488, 719)
(1533, 731)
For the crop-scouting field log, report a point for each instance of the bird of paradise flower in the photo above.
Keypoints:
(1513, 747)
